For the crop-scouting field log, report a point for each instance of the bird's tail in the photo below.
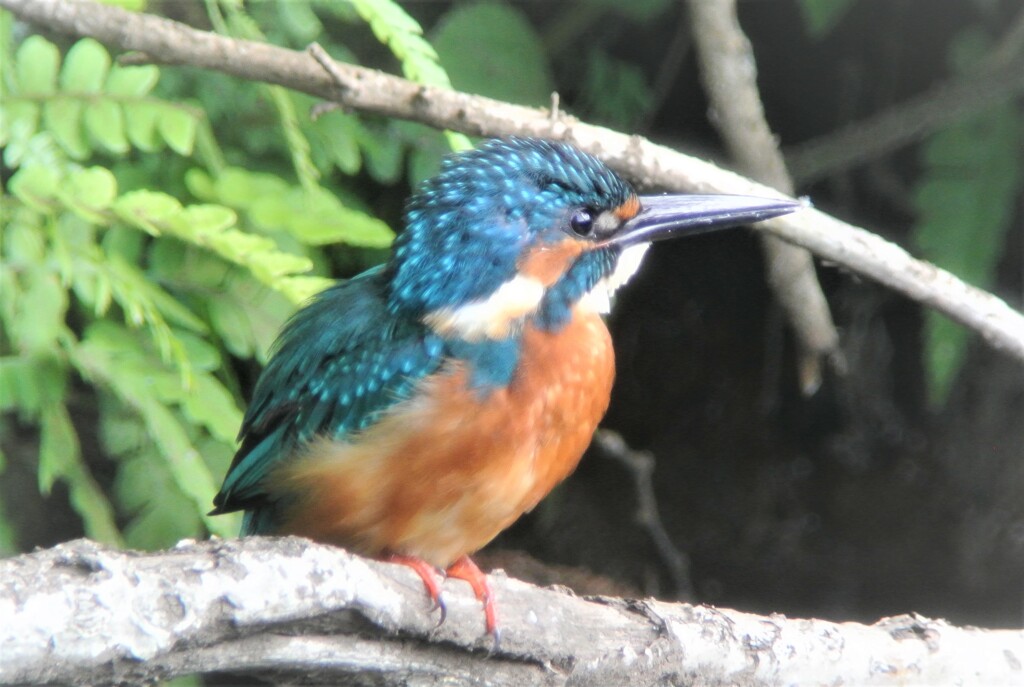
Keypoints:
(260, 520)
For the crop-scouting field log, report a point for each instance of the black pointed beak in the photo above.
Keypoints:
(663, 217)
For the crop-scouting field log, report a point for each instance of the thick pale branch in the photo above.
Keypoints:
(650, 165)
(294, 610)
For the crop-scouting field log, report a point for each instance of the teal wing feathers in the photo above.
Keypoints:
(338, 364)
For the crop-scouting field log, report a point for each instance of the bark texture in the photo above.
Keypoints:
(289, 609)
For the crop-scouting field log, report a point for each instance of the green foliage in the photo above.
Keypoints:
(965, 199)
(136, 5)
(478, 42)
(615, 92)
(420, 63)
(134, 260)
(86, 105)
(157, 224)
(821, 16)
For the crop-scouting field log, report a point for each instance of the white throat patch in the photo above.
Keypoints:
(492, 317)
(600, 297)
(497, 315)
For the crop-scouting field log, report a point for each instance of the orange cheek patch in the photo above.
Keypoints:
(547, 263)
(628, 210)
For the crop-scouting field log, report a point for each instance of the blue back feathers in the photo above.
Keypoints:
(340, 362)
(360, 346)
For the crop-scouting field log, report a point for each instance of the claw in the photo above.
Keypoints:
(465, 569)
(428, 574)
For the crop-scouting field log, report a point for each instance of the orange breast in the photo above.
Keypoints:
(443, 473)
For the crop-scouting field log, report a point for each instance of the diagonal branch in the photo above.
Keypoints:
(291, 610)
(906, 122)
(648, 164)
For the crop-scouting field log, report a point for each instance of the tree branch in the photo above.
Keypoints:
(294, 610)
(648, 164)
(729, 72)
(640, 465)
(906, 122)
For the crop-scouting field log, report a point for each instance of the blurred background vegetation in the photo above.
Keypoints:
(160, 223)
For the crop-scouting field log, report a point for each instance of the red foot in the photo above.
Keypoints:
(465, 569)
(428, 574)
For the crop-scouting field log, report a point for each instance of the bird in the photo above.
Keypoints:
(415, 411)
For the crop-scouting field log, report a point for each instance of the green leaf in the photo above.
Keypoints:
(141, 120)
(124, 243)
(60, 457)
(211, 406)
(30, 384)
(178, 129)
(133, 5)
(23, 243)
(113, 356)
(339, 135)
(382, 155)
(428, 149)
(40, 310)
(240, 188)
(63, 117)
(85, 67)
(965, 201)
(132, 82)
(19, 120)
(36, 66)
(147, 209)
(201, 220)
(58, 445)
(821, 16)
(200, 184)
(8, 537)
(204, 356)
(318, 218)
(477, 44)
(403, 35)
(36, 186)
(144, 488)
(89, 191)
(322, 226)
(614, 92)
(150, 299)
(234, 327)
(301, 288)
(104, 121)
(299, 21)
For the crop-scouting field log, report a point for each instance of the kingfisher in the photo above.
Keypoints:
(418, 409)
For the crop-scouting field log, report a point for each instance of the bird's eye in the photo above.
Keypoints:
(582, 222)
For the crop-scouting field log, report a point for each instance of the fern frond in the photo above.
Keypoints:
(115, 359)
(87, 103)
(403, 35)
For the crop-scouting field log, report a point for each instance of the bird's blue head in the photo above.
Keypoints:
(521, 230)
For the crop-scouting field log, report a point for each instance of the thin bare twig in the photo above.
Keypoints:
(641, 466)
(668, 70)
(906, 122)
(729, 73)
(648, 164)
